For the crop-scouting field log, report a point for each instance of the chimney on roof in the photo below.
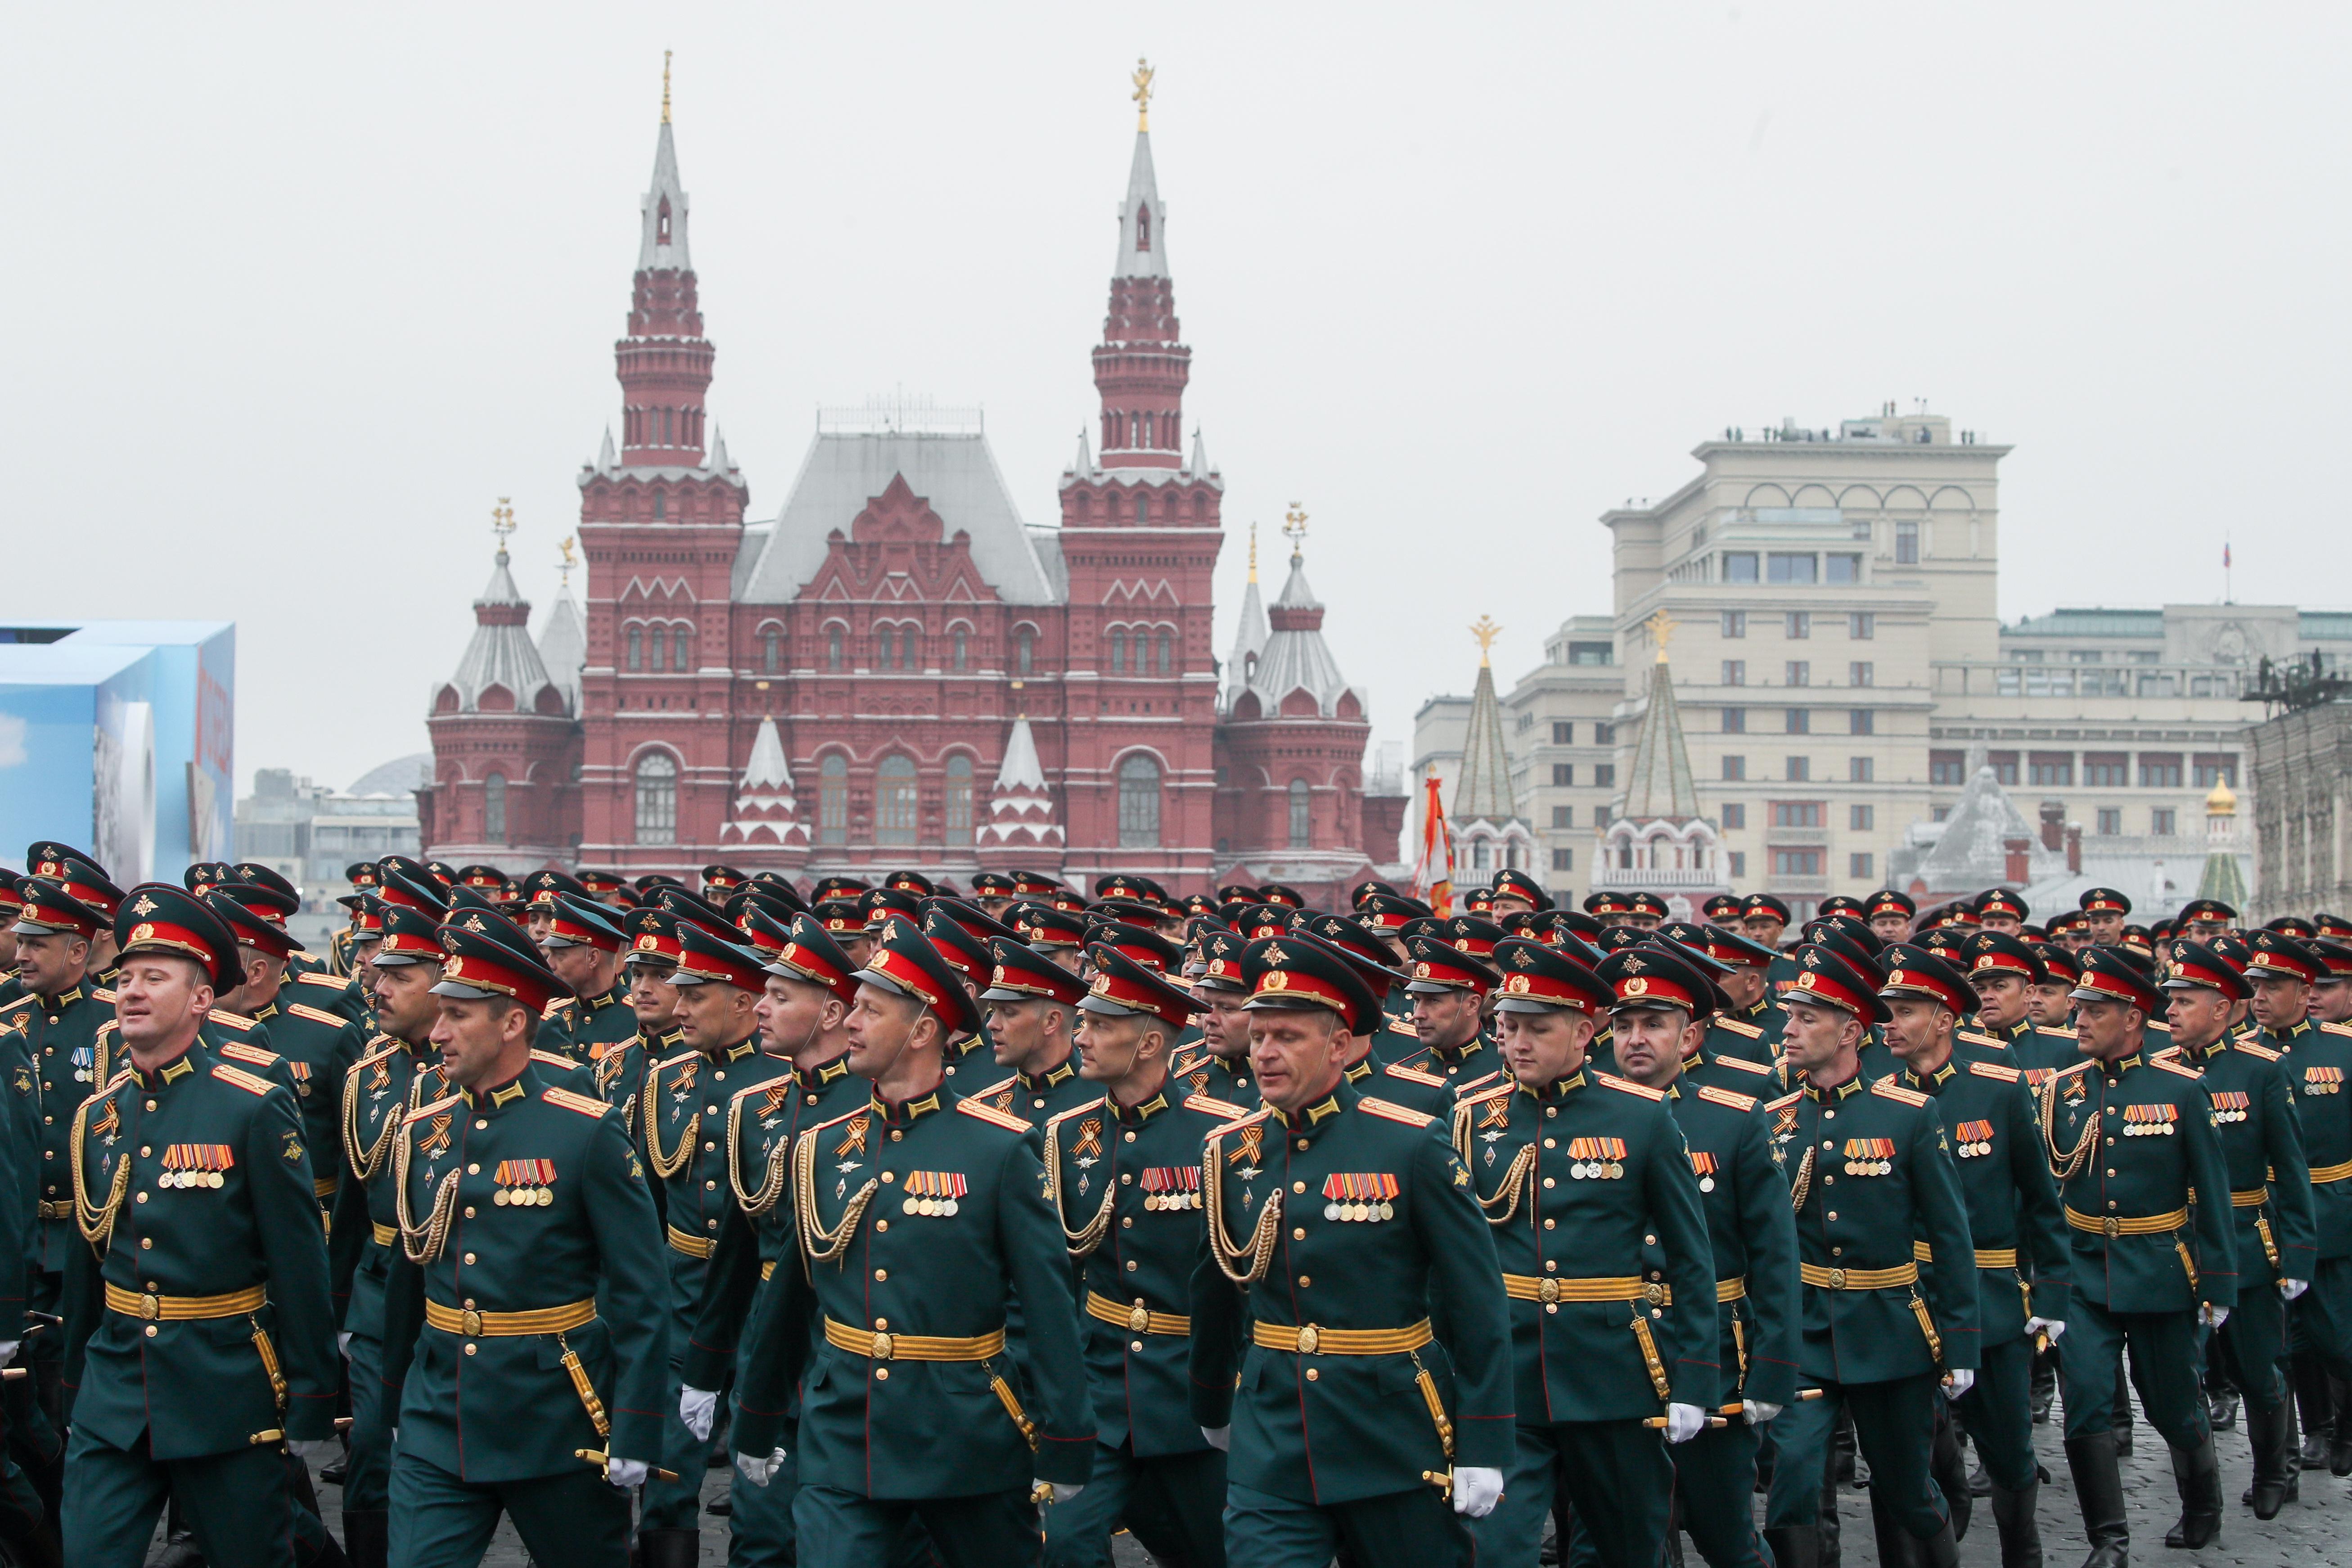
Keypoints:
(2074, 848)
(2019, 861)
(2053, 824)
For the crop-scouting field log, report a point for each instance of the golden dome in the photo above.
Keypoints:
(2223, 801)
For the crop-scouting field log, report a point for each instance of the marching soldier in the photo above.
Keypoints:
(921, 1217)
(584, 942)
(1754, 1238)
(2320, 1066)
(1218, 1066)
(1333, 1218)
(803, 1020)
(1516, 892)
(526, 1283)
(399, 1070)
(1988, 1122)
(2128, 1139)
(1033, 1022)
(719, 985)
(1124, 1172)
(1890, 914)
(2102, 911)
(653, 1001)
(1869, 1176)
(1449, 982)
(2002, 972)
(1747, 1027)
(2251, 1091)
(1590, 1171)
(2000, 911)
(2282, 970)
(198, 1323)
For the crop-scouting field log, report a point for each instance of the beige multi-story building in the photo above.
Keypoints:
(1842, 673)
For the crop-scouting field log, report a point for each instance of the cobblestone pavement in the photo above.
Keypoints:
(2316, 1533)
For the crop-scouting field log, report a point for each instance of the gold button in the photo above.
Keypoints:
(145, 1242)
(52, 1122)
(1302, 1146)
(1833, 1213)
(881, 1224)
(1125, 1177)
(1298, 1186)
(142, 1198)
(1298, 1233)
(469, 1257)
(1130, 1266)
(1551, 1143)
(706, 1148)
(1650, 1241)
(1131, 1137)
(1548, 1182)
(470, 1303)
(1549, 1224)
(1304, 1281)
(710, 1186)
(882, 1373)
(881, 1274)
(151, 1104)
(710, 1225)
(881, 1325)
(1828, 1116)
(1551, 1265)
(471, 1348)
(472, 1170)
(712, 1110)
(143, 1150)
(481, 1125)
(1831, 1181)
(890, 1177)
(1312, 1375)
(469, 1211)
(896, 1134)
(1837, 1252)
(150, 1330)
(1135, 1344)
(1551, 1111)
(1126, 1222)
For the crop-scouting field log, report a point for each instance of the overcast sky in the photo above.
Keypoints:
(301, 291)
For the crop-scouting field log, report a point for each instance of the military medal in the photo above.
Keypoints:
(1596, 1159)
(1973, 1139)
(1360, 1195)
(1172, 1187)
(188, 1165)
(1869, 1156)
(524, 1183)
(2322, 1081)
(1703, 1166)
(82, 1057)
(2231, 1105)
(933, 1193)
(2149, 1120)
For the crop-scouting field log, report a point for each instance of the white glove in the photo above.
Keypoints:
(1221, 1438)
(1685, 1422)
(2212, 1316)
(2053, 1327)
(1959, 1381)
(8, 1350)
(2290, 1289)
(344, 1344)
(757, 1471)
(1054, 1491)
(697, 1407)
(625, 1474)
(1476, 1491)
(1758, 1411)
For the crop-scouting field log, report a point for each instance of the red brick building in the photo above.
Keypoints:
(895, 668)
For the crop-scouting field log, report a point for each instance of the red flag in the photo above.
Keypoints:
(2225, 555)
(1432, 876)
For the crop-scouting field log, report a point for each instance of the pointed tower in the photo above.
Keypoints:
(503, 739)
(661, 524)
(766, 813)
(1140, 536)
(1249, 638)
(2224, 877)
(1656, 840)
(1489, 833)
(563, 640)
(1020, 831)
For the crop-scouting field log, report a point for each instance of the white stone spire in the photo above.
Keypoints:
(765, 810)
(1142, 220)
(1021, 805)
(607, 460)
(663, 245)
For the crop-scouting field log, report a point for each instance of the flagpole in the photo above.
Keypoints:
(2229, 589)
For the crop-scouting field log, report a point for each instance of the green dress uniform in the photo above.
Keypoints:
(1738, 1040)
(1724, 1060)
(33, 1445)
(2321, 1068)
(1347, 1406)
(1590, 1173)
(318, 1047)
(1199, 1070)
(526, 1281)
(2037, 1051)
(586, 1028)
(1036, 1098)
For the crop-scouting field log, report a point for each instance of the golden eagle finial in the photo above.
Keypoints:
(1142, 93)
(1484, 629)
(1662, 632)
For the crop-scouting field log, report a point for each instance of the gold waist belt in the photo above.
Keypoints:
(1621, 1287)
(2319, 1174)
(1731, 1290)
(691, 1245)
(2251, 1198)
(386, 1234)
(768, 1270)
(1986, 1256)
(883, 1346)
(64, 1210)
(500, 1325)
(1858, 1278)
(2116, 1224)
(1136, 1318)
(324, 1187)
(180, 1308)
(1308, 1339)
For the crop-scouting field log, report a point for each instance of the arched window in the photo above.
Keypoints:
(893, 801)
(1906, 544)
(1142, 226)
(668, 427)
(1302, 826)
(771, 642)
(1478, 856)
(832, 797)
(959, 802)
(960, 649)
(494, 808)
(661, 499)
(682, 649)
(1118, 652)
(1025, 650)
(833, 648)
(660, 641)
(908, 656)
(657, 799)
(636, 647)
(661, 223)
(1138, 802)
(1142, 506)
(1167, 651)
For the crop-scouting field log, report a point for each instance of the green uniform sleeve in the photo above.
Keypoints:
(1037, 1268)
(2215, 1221)
(1769, 1226)
(2041, 1224)
(1943, 1220)
(729, 1282)
(1687, 1342)
(1467, 1291)
(2295, 1229)
(634, 1303)
(285, 1214)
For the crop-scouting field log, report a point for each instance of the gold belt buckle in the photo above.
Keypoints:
(1308, 1339)
(1654, 1293)
(1548, 1290)
(881, 1347)
(469, 1323)
(1139, 1317)
(2112, 1225)
(151, 1306)
(1837, 1279)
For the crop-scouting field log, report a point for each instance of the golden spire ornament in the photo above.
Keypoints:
(1484, 629)
(1662, 632)
(570, 561)
(1253, 552)
(1294, 529)
(665, 87)
(503, 523)
(1142, 93)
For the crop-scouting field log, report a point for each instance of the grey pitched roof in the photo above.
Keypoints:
(501, 653)
(1142, 193)
(1658, 780)
(1295, 654)
(1973, 850)
(563, 647)
(1484, 790)
(1249, 639)
(652, 256)
(955, 474)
